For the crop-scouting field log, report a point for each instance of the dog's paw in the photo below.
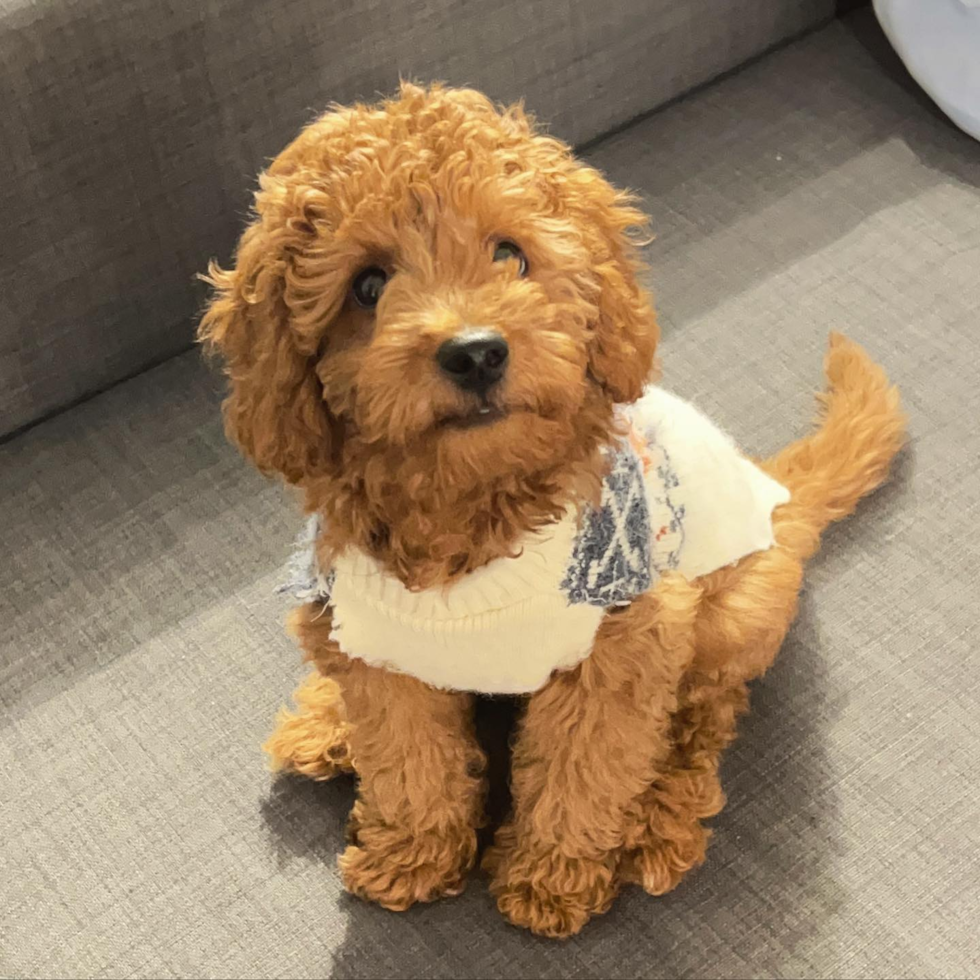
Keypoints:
(399, 873)
(532, 907)
(311, 743)
(547, 892)
(659, 865)
(319, 754)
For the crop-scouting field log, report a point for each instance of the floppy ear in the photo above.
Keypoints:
(625, 332)
(275, 411)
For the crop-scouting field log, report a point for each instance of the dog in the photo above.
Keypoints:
(434, 329)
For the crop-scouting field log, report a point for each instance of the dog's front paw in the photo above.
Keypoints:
(397, 871)
(530, 906)
(669, 840)
(658, 866)
(543, 890)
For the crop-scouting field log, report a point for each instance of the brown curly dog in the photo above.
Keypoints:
(381, 233)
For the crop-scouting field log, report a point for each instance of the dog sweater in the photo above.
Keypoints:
(678, 496)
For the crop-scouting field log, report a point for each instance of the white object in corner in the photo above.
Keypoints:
(939, 41)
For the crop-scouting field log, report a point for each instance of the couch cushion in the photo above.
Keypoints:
(142, 656)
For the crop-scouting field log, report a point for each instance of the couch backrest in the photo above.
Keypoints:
(132, 133)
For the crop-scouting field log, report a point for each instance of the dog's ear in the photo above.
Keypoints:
(274, 411)
(624, 331)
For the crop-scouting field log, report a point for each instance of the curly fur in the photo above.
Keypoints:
(615, 764)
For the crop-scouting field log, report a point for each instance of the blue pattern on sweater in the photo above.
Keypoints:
(611, 560)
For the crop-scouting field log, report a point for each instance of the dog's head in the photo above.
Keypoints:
(429, 279)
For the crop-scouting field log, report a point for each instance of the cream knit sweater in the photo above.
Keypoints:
(679, 497)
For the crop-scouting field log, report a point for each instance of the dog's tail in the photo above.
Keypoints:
(860, 430)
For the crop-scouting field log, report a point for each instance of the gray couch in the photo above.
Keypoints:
(141, 654)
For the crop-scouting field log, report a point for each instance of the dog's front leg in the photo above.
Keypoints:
(419, 766)
(420, 790)
(590, 745)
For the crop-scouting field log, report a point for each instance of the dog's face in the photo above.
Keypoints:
(429, 280)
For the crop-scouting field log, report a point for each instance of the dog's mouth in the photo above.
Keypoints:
(478, 418)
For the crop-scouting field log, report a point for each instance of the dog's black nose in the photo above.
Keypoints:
(475, 360)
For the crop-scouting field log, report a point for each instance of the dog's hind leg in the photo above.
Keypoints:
(743, 617)
(744, 614)
(313, 740)
(747, 609)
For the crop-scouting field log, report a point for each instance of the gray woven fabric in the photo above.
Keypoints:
(132, 132)
(142, 657)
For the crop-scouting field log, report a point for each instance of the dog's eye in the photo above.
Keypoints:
(506, 250)
(368, 286)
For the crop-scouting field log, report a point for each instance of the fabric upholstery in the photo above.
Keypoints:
(132, 133)
(141, 655)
